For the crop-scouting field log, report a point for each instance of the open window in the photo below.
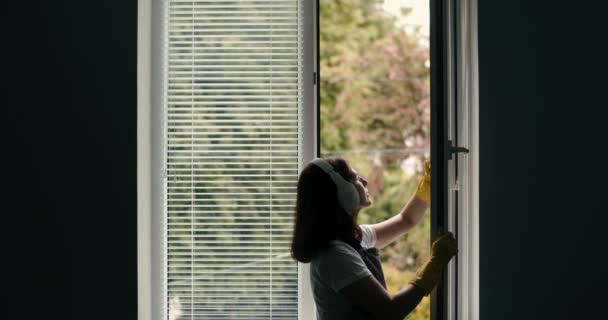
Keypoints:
(228, 113)
(375, 110)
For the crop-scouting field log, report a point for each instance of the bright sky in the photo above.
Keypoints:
(419, 16)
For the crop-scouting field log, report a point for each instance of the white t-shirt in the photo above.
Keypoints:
(335, 268)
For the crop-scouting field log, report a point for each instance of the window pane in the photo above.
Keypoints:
(232, 109)
(375, 113)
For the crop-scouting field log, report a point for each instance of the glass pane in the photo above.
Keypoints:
(375, 113)
(232, 77)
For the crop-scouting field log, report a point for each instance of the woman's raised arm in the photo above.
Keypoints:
(389, 230)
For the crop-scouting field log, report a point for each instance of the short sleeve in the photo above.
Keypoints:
(340, 265)
(368, 236)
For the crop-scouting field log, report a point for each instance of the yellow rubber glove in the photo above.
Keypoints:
(443, 249)
(423, 191)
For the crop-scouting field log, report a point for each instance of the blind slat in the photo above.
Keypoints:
(180, 108)
(236, 1)
(177, 13)
(239, 217)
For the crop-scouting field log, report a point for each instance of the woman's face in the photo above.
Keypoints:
(361, 186)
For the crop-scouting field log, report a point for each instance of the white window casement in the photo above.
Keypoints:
(464, 273)
(227, 117)
(455, 149)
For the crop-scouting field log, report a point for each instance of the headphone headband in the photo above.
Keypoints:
(321, 163)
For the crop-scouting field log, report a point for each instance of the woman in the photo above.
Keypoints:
(346, 275)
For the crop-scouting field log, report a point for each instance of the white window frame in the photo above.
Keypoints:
(150, 168)
(150, 172)
(463, 77)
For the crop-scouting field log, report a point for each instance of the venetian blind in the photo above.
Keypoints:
(232, 77)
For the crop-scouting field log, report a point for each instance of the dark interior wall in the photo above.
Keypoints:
(71, 133)
(69, 116)
(542, 167)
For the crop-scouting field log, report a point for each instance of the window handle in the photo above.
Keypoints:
(455, 149)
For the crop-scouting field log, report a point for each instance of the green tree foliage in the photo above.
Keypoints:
(374, 79)
(375, 96)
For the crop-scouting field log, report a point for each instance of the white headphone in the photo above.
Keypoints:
(348, 197)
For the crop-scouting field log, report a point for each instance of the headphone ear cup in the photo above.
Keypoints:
(347, 195)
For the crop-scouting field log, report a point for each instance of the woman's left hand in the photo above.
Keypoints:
(423, 191)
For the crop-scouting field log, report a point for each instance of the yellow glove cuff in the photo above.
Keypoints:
(428, 276)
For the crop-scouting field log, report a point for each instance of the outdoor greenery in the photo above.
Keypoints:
(375, 112)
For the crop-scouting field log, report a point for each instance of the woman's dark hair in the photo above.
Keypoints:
(319, 218)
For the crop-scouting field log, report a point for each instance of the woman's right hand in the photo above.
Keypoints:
(444, 247)
(442, 250)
